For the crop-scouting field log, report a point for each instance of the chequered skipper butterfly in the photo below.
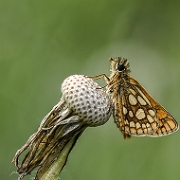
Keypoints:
(135, 112)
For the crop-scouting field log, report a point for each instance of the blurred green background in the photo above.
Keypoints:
(43, 42)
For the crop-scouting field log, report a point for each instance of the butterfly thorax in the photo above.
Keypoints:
(119, 78)
(118, 83)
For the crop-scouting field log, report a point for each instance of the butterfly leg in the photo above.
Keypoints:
(104, 76)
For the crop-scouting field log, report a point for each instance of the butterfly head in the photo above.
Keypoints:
(119, 65)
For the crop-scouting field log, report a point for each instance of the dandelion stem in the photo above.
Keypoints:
(57, 166)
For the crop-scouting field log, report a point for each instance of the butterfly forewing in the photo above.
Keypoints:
(166, 123)
(135, 112)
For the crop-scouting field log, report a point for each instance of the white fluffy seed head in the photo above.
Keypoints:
(87, 99)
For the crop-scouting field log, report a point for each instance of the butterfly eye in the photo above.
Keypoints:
(121, 67)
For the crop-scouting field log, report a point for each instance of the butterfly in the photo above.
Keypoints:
(135, 112)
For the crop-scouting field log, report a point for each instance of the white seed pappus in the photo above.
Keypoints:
(86, 98)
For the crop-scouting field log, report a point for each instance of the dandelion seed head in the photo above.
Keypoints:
(87, 99)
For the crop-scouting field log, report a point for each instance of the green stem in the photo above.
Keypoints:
(57, 166)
